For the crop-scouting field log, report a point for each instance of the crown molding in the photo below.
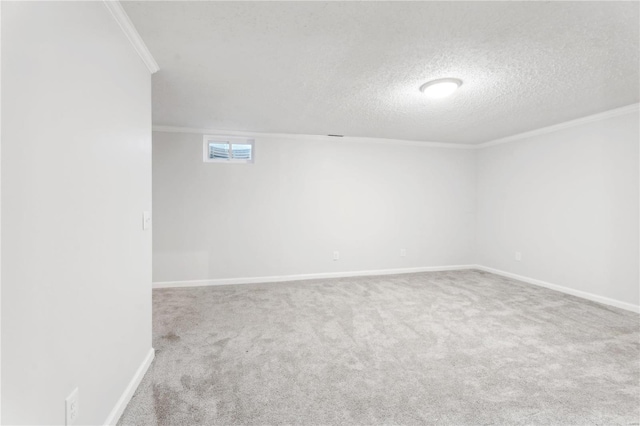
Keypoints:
(629, 109)
(130, 31)
(310, 138)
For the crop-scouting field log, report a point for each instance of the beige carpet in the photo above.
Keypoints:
(441, 348)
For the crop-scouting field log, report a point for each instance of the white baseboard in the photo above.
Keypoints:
(562, 289)
(126, 396)
(300, 277)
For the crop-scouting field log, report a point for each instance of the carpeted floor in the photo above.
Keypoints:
(444, 348)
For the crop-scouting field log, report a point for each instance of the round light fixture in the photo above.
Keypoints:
(440, 88)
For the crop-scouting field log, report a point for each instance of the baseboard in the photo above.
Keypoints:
(347, 274)
(301, 277)
(562, 289)
(126, 396)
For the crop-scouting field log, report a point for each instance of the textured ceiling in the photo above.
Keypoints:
(354, 68)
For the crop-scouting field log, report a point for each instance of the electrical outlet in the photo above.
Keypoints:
(336, 255)
(72, 404)
(146, 220)
(403, 252)
(518, 256)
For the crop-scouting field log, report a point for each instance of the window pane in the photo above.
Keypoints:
(241, 151)
(219, 151)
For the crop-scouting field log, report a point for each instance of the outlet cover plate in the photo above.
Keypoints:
(72, 407)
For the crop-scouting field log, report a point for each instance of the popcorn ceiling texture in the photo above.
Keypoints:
(354, 68)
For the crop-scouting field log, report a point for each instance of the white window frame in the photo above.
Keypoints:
(228, 140)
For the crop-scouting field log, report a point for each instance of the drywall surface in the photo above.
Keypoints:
(302, 200)
(76, 176)
(568, 202)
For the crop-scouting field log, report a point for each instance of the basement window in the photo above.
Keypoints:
(228, 149)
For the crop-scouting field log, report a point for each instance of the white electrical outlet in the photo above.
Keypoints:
(146, 220)
(72, 404)
(336, 255)
(403, 252)
(518, 256)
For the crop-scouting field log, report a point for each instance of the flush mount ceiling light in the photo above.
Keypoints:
(440, 88)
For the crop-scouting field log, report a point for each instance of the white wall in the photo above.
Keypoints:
(302, 200)
(0, 214)
(76, 176)
(568, 201)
